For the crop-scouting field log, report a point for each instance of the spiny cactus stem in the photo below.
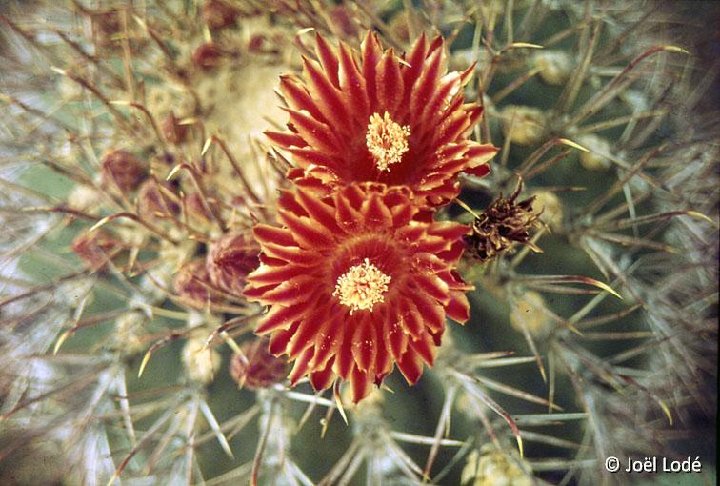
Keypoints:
(34, 111)
(153, 123)
(236, 167)
(616, 85)
(197, 182)
(443, 427)
(572, 89)
(134, 217)
(89, 57)
(517, 83)
(635, 170)
(257, 460)
(119, 117)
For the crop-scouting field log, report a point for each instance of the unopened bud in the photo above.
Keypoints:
(96, 249)
(172, 130)
(193, 285)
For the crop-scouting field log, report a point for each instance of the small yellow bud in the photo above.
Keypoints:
(594, 160)
(555, 66)
(524, 125)
(549, 204)
(201, 362)
(492, 467)
(530, 313)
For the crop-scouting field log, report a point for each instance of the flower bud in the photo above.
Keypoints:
(197, 209)
(152, 202)
(172, 130)
(344, 20)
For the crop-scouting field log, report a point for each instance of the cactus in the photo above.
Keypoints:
(164, 209)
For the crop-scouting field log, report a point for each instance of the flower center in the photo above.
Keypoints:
(386, 140)
(362, 286)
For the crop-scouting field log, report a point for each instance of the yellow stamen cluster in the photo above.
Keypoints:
(386, 140)
(362, 286)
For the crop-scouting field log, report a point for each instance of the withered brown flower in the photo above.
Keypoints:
(504, 223)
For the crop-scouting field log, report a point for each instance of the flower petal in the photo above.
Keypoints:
(411, 366)
(321, 380)
(361, 384)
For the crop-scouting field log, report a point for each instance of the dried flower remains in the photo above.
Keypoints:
(503, 224)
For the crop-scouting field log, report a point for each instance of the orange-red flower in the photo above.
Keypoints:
(376, 117)
(356, 285)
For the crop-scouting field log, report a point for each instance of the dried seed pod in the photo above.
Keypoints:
(174, 132)
(96, 249)
(256, 367)
(504, 223)
(230, 260)
(219, 14)
(193, 285)
(207, 57)
(123, 170)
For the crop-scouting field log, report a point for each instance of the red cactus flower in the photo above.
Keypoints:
(356, 285)
(384, 118)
